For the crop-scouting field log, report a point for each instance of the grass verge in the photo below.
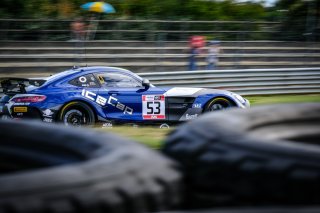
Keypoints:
(153, 137)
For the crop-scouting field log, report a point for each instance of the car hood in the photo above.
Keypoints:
(191, 91)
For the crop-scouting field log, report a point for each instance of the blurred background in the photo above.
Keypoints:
(168, 20)
(37, 36)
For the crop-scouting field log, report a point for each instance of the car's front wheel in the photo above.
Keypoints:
(219, 103)
(77, 114)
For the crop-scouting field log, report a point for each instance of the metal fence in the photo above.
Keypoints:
(244, 81)
(143, 30)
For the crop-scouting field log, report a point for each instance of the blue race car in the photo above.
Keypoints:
(86, 95)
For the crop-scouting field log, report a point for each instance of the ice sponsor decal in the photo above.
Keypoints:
(153, 107)
(107, 101)
(181, 91)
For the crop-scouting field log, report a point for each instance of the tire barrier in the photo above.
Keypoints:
(263, 160)
(48, 168)
(261, 156)
(267, 209)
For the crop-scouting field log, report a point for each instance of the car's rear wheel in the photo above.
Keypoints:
(219, 103)
(77, 114)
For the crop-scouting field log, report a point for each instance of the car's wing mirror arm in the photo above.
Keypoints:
(146, 83)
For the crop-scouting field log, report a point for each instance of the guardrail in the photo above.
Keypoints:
(143, 30)
(244, 81)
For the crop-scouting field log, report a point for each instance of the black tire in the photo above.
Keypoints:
(219, 103)
(50, 168)
(260, 156)
(77, 113)
(267, 209)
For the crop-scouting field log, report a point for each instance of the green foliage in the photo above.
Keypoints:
(300, 19)
(137, 9)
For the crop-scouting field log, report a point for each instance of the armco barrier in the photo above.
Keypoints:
(244, 81)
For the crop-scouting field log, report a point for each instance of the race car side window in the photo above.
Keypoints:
(118, 80)
(88, 80)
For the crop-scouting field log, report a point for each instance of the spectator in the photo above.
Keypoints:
(194, 51)
(78, 29)
(196, 44)
(213, 54)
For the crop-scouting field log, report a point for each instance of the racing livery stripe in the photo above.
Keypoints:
(182, 91)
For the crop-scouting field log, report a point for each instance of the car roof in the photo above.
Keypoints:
(87, 70)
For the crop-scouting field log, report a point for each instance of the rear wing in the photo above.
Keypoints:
(18, 85)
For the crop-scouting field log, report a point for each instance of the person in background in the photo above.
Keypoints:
(213, 54)
(196, 44)
(78, 29)
(194, 51)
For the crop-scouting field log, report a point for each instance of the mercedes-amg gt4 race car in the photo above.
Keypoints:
(86, 95)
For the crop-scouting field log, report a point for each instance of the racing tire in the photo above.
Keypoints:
(219, 103)
(77, 113)
(261, 156)
(50, 168)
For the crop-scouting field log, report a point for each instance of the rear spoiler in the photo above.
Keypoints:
(18, 85)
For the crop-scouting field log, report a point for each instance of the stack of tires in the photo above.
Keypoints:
(265, 159)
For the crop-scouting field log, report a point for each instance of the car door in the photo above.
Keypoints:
(127, 99)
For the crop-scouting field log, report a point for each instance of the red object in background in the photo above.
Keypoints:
(197, 41)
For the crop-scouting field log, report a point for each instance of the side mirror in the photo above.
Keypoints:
(145, 83)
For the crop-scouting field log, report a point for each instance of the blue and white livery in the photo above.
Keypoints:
(84, 96)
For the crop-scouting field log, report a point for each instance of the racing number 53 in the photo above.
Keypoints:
(153, 107)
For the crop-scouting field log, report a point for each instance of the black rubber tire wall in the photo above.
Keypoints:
(60, 169)
(260, 156)
(266, 209)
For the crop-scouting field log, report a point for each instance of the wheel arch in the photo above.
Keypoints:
(77, 100)
(209, 101)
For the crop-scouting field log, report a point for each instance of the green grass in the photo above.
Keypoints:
(150, 136)
(275, 99)
(153, 137)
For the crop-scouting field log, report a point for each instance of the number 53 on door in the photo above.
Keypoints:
(153, 107)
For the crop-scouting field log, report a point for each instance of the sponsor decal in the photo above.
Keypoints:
(47, 113)
(164, 126)
(196, 105)
(153, 107)
(20, 109)
(48, 120)
(190, 117)
(83, 79)
(107, 101)
(107, 125)
(21, 104)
